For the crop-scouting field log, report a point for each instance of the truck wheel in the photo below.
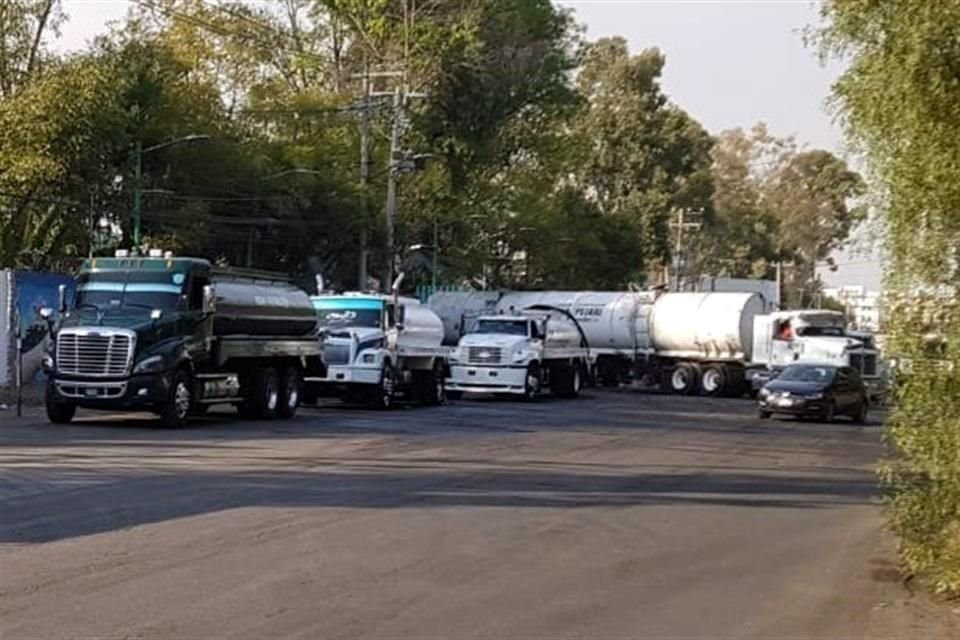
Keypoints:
(175, 411)
(532, 382)
(438, 390)
(382, 396)
(683, 379)
(714, 380)
(289, 393)
(263, 394)
(58, 412)
(571, 381)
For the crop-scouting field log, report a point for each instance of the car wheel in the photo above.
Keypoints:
(862, 409)
(763, 415)
(829, 411)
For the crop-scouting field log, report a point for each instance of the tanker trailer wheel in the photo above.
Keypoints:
(175, 410)
(289, 393)
(683, 379)
(262, 395)
(532, 382)
(714, 380)
(570, 381)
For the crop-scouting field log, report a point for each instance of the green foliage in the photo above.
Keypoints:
(900, 102)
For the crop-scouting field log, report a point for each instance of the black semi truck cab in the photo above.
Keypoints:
(174, 336)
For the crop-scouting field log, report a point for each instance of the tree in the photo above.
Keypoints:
(900, 103)
(642, 157)
(24, 25)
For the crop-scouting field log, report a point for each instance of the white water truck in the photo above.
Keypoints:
(378, 349)
(521, 353)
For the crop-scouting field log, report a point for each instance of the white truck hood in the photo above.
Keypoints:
(501, 341)
(361, 334)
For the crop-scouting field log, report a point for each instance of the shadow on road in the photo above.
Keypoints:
(133, 500)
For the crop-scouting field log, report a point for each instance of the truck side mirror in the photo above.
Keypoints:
(46, 313)
(209, 299)
(62, 298)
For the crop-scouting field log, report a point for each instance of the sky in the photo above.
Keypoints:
(730, 63)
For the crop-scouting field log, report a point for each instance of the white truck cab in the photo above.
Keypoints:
(812, 335)
(520, 354)
(379, 348)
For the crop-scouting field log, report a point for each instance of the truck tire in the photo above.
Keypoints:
(713, 382)
(568, 381)
(289, 393)
(175, 410)
(382, 396)
(684, 378)
(609, 372)
(262, 395)
(532, 382)
(58, 412)
(438, 390)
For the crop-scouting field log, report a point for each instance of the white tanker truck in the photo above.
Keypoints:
(715, 342)
(378, 349)
(520, 354)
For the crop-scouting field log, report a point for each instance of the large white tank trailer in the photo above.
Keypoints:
(717, 343)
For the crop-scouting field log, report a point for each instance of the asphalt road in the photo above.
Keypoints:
(619, 515)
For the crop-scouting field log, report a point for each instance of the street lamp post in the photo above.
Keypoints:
(138, 179)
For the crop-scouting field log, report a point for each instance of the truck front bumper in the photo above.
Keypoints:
(487, 379)
(136, 392)
(337, 375)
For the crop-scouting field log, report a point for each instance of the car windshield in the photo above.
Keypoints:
(130, 289)
(807, 373)
(335, 313)
(509, 327)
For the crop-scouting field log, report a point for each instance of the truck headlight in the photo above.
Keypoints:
(521, 356)
(368, 358)
(149, 365)
(454, 355)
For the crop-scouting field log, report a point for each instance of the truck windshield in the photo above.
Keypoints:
(342, 313)
(508, 327)
(113, 290)
(807, 373)
(810, 332)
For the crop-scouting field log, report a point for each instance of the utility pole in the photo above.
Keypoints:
(400, 97)
(680, 225)
(392, 170)
(364, 179)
